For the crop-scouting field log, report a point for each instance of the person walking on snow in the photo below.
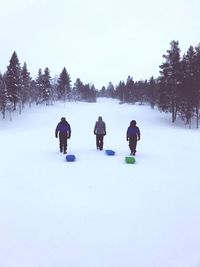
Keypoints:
(64, 130)
(133, 135)
(100, 132)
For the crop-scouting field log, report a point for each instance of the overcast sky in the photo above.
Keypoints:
(97, 41)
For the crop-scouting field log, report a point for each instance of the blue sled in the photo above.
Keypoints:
(110, 152)
(70, 158)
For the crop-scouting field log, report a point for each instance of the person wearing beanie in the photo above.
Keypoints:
(100, 132)
(133, 135)
(63, 130)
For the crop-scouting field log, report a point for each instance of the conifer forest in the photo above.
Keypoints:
(175, 91)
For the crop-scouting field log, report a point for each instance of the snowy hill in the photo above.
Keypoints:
(98, 211)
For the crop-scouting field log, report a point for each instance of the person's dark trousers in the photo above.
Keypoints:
(63, 142)
(99, 141)
(133, 143)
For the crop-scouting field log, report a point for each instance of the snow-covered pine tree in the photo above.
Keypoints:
(197, 82)
(78, 90)
(119, 91)
(129, 94)
(26, 85)
(110, 90)
(169, 80)
(152, 92)
(188, 91)
(13, 80)
(47, 92)
(64, 86)
(39, 87)
(3, 95)
(92, 94)
(89, 93)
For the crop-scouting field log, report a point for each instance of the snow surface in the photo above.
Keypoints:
(98, 211)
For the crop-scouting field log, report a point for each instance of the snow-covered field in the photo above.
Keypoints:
(98, 211)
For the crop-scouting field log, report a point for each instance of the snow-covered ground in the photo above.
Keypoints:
(98, 211)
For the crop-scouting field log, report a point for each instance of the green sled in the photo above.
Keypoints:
(130, 160)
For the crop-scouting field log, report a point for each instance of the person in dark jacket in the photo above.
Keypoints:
(133, 135)
(100, 132)
(64, 130)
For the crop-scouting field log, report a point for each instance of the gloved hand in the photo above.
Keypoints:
(56, 136)
(105, 133)
(94, 132)
(138, 138)
(127, 139)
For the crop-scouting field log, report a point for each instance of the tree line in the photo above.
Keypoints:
(176, 90)
(18, 88)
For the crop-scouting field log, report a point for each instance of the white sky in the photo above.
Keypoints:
(97, 41)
